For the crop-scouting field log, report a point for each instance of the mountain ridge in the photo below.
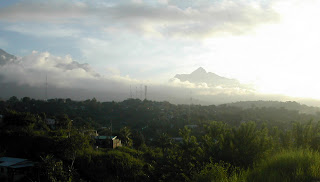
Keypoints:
(6, 57)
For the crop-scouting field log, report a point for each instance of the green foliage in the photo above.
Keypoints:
(138, 139)
(180, 161)
(13, 118)
(239, 146)
(114, 165)
(220, 172)
(63, 122)
(125, 136)
(22, 124)
(289, 165)
(52, 170)
(13, 99)
(213, 151)
(70, 147)
(164, 142)
(125, 166)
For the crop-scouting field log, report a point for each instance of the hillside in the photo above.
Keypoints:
(290, 105)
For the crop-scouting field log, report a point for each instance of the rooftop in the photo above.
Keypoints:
(106, 137)
(15, 162)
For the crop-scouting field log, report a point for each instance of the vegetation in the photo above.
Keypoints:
(161, 141)
(288, 165)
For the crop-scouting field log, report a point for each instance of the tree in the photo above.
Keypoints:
(164, 142)
(26, 99)
(19, 118)
(52, 170)
(138, 139)
(63, 122)
(13, 99)
(125, 136)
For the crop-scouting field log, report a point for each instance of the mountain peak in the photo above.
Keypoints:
(2, 51)
(200, 70)
(5, 57)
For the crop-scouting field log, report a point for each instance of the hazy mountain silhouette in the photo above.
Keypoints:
(5, 57)
(200, 75)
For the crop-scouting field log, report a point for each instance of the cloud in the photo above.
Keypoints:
(66, 73)
(49, 11)
(44, 30)
(159, 19)
(3, 42)
(32, 69)
(68, 78)
(203, 89)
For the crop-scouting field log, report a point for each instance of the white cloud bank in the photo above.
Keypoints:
(65, 73)
(68, 78)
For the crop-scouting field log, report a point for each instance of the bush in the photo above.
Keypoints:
(219, 172)
(291, 165)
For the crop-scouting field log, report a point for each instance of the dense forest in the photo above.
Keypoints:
(162, 141)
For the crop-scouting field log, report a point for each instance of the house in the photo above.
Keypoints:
(14, 169)
(108, 141)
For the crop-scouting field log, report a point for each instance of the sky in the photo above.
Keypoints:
(272, 44)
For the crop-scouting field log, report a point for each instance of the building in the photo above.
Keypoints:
(14, 169)
(108, 141)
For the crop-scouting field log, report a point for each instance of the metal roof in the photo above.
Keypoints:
(106, 137)
(15, 162)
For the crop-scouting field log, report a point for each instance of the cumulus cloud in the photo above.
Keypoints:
(32, 69)
(66, 73)
(203, 89)
(164, 19)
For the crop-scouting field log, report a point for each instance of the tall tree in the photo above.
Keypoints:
(125, 136)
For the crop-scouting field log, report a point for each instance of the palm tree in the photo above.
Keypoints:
(125, 136)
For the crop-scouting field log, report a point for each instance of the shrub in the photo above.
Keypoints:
(220, 172)
(291, 165)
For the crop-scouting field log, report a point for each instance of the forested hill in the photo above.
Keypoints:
(154, 117)
(160, 141)
(290, 105)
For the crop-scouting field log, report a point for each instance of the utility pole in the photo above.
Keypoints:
(46, 89)
(111, 128)
(141, 91)
(145, 92)
(130, 92)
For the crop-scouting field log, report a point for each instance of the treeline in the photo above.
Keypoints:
(150, 117)
(224, 143)
(290, 105)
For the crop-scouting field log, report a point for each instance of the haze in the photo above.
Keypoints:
(106, 46)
